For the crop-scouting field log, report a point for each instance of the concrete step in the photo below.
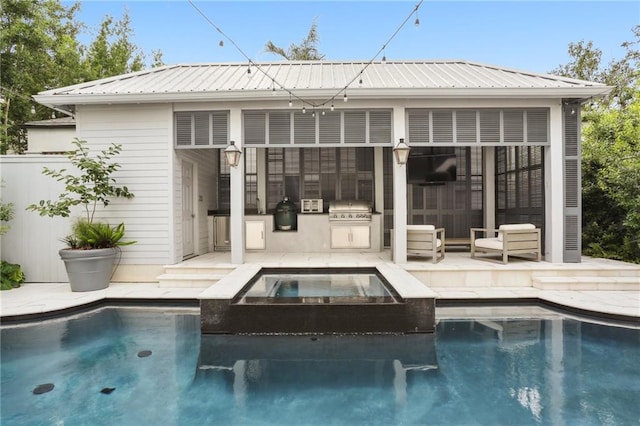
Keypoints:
(199, 269)
(189, 280)
(614, 283)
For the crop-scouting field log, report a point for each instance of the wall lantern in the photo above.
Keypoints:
(233, 154)
(402, 152)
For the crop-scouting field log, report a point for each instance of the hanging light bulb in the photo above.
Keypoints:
(417, 23)
(332, 106)
(290, 102)
(313, 113)
(53, 115)
(360, 81)
(322, 112)
(384, 59)
(304, 110)
(33, 109)
(221, 44)
(249, 69)
(345, 96)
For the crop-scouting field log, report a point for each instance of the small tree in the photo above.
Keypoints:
(93, 186)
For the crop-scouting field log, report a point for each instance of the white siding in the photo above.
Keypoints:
(144, 131)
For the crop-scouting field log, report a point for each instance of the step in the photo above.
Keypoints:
(172, 280)
(619, 283)
(199, 269)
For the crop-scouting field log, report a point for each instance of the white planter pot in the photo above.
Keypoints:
(88, 270)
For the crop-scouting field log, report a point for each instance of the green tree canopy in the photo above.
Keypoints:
(610, 151)
(40, 50)
(307, 50)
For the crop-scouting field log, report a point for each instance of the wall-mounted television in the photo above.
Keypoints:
(426, 166)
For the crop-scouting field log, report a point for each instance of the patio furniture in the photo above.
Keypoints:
(513, 239)
(425, 240)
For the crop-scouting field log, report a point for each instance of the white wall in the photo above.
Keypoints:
(50, 139)
(33, 241)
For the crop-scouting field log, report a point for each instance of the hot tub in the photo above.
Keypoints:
(327, 300)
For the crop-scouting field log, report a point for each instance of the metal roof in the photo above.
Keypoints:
(448, 78)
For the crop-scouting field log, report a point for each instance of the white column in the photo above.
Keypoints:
(489, 186)
(378, 174)
(554, 189)
(237, 190)
(399, 242)
(261, 169)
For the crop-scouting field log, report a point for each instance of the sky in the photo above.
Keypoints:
(525, 35)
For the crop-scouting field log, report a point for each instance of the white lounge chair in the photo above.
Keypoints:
(425, 240)
(514, 239)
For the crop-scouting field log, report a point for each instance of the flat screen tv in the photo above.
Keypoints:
(431, 167)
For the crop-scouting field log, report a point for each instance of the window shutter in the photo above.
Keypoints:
(280, 127)
(330, 128)
(201, 128)
(537, 126)
(490, 127)
(380, 127)
(572, 185)
(304, 128)
(442, 127)
(466, 130)
(418, 127)
(220, 127)
(183, 129)
(254, 128)
(513, 126)
(355, 127)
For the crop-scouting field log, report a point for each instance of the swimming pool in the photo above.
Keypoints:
(132, 366)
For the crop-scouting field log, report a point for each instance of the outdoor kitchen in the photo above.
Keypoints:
(346, 225)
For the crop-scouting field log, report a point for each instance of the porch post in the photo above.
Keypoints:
(378, 175)
(237, 190)
(399, 243)
(489, 186)
(554, 189)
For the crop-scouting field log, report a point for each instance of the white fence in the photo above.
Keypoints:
(33, 241)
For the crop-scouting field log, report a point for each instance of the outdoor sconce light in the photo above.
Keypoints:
(233, 154)
(402, 152)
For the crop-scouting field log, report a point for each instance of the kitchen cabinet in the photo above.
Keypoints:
(254, 235)
(353, 236)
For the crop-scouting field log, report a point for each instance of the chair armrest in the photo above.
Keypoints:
(481, 230)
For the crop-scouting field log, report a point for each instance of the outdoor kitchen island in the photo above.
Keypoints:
(315, 233)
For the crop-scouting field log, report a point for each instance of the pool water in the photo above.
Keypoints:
(161, 371)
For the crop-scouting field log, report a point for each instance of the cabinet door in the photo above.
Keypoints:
(254, 235)
(340, 237)
(360, 237)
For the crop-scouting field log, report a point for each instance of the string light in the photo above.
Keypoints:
(313, 114)
(323, 112)
(304, 110)
(293, 95)
(221, 44)
(332, 106)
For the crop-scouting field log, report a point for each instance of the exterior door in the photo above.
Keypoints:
(187, 210)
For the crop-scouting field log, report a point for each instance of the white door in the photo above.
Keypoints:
(340, 237)
(254, 235)
(187, 209)
(360, 237)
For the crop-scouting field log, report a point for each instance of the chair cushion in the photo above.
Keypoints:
(489, 243)
(514, 227)
(421, 228)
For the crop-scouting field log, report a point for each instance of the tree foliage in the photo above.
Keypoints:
(40, 50)
(307, 50)
(610, 152)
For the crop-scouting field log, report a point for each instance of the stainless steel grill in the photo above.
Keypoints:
(349, 211)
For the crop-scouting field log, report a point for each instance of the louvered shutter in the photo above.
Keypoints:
(279, 128)
(442, 126)
(537, 126)
(220, 127)
(489, 127)
(304, 132)
(183, 129)
(201, 128)
(355, 124)
(254, 128)
(329, 128)
(572, 184)
(466, 129)
(513, 125)
(418, 127)
(380, 127)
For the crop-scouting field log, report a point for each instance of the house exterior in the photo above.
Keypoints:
(53, 136)
(326, 131)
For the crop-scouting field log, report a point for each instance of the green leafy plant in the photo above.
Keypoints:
(96, 235)
(94, 185)
(11, 275)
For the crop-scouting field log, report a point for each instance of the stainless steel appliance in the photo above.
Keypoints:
(349, 211)
(311, 205)
(221, 237)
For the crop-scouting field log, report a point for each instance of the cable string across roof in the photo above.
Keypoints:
(275, 83)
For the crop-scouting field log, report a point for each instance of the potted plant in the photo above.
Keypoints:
(92, 246)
